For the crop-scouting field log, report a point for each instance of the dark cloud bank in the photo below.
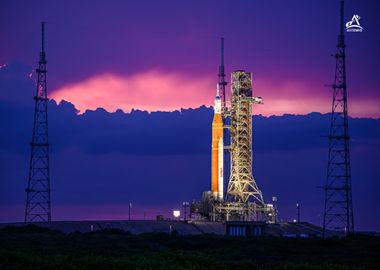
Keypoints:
(164, 158)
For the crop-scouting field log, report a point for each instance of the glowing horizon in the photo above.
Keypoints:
(158, 91)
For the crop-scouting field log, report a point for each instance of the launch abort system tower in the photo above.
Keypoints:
(338, 212)
(38, 191)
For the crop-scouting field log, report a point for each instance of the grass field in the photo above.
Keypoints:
(37, 248)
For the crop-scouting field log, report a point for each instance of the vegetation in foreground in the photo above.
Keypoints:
(37, 248)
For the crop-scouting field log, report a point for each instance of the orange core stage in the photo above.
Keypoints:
(217, 154)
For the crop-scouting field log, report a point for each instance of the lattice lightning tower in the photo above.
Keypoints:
(338, 212)
(38, 190)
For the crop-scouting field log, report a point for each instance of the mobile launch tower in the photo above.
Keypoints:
(233, 124)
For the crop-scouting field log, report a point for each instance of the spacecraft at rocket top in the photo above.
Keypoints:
(217, 149)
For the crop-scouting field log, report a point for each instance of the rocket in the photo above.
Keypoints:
(217, 148)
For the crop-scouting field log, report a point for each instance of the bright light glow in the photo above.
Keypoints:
(176, 213)
(151, 91)
(161, 91)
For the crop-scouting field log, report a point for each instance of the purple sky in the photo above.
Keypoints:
(163, 55)
(168, 50)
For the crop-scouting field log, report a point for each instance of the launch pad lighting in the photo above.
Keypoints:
(176, 213)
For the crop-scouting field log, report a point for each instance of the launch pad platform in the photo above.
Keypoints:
(283, 229)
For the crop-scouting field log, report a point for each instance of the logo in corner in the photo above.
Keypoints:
(354, 25)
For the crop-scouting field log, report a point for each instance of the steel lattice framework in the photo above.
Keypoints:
(242, 186)
(338, 212)
(38, 206)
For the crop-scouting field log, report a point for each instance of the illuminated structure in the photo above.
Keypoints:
(218, 151)
(38, 190)
(338, 213)
(242, 187)
(243, 200)
(217, 148)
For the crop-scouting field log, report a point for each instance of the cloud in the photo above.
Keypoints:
(166, 91)
(16, 85)
(159, 91)
(151, 91)
(304, 96)
(102, 158)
